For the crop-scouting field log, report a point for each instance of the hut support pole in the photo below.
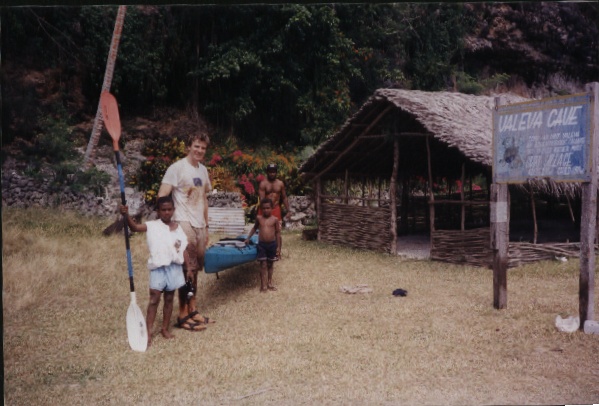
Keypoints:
(588, 223)
(431, 198)
(570, 209)
(346, 187)
(393, 196)
(500, 222)
(534, 215)
(463, 220)
(363, 191)
(318, 187)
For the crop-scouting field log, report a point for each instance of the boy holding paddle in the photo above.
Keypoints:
(269, 243)
(166, 243)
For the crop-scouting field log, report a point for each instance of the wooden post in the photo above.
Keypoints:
(534, 214)
(108, 73)
(363, 190)
(393, 196)
(346, 187)
(470, 207)
(500, 222)
(318, 204)
(405, 203)
(588, 223)
(570, 209)
(431, 198)
(463, 179)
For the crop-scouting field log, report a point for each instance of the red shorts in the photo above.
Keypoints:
(276, 211)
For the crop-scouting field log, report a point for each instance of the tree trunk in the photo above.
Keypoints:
(98, 121)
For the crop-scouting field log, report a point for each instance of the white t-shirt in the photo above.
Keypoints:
(190, 186)
(166, 246)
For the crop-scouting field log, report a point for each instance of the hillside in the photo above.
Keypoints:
(530, 49)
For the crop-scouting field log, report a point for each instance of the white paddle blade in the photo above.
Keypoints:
(137, 331)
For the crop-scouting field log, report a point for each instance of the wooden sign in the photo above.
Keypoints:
(549, 138)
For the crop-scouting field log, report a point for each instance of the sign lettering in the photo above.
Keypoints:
(545, 138)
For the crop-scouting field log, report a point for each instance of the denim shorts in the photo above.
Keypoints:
(167, 278)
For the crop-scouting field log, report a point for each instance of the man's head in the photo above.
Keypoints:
(166, 208)
(197, 141)
(271, 171)
(266, 206)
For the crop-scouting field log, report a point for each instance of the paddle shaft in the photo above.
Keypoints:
(125, 226)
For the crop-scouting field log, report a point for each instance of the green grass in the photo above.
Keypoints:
(66, 294)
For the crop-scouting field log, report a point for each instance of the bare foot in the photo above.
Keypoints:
(263, 290)
(149, 341)
(271, 287)
(167, 334)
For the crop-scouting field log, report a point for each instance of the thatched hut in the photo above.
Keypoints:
(411, 163)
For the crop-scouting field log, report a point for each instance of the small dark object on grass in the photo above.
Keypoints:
(400, 292)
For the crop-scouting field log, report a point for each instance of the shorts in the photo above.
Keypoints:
(196, 245)
(167, 278)
(276, 211)
(267, 251)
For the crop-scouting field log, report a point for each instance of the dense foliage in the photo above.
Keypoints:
(287, 75)
(231, 169)
(267, 77)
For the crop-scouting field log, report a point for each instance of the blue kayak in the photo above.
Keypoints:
(230, 252)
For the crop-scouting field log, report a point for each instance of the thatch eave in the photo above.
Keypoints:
(458, 120)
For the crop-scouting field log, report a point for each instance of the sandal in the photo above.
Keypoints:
(186, 324)
(205, 319)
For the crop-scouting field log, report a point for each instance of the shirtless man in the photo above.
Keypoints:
(274, 189)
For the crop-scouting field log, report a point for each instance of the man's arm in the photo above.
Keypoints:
(285, 200)
(165, 189)
(278, 236)
(262, 190)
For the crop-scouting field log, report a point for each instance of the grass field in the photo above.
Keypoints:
(66, 293)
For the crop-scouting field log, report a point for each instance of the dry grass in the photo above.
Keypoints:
(66, 294)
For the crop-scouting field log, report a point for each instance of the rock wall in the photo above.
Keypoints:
(20, 190)
(303, 212)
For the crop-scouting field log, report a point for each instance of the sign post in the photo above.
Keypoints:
(588, 223)
(557, 139)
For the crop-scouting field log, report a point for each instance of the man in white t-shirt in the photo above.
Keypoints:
(188, 181)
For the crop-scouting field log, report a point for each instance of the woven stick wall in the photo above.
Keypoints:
(355, 226)
(470, 247)
(521, 253)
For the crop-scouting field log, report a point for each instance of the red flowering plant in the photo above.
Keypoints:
(230, 167)
(248, 167)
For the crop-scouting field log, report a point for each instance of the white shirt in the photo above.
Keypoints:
(166, 246)
(190, 187)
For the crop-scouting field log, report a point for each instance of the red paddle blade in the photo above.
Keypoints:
(112, 121)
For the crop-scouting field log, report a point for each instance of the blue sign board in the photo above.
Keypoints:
(548, 138)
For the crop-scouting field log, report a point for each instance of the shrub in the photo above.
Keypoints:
(230, 167)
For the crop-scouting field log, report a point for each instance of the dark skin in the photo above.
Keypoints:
(274, 189)
(165, 213)
(270, 230)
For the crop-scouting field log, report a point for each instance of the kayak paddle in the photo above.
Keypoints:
(136, 323)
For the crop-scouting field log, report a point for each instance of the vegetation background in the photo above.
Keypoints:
(271, 81)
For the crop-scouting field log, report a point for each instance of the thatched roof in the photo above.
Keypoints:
(461, 122)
